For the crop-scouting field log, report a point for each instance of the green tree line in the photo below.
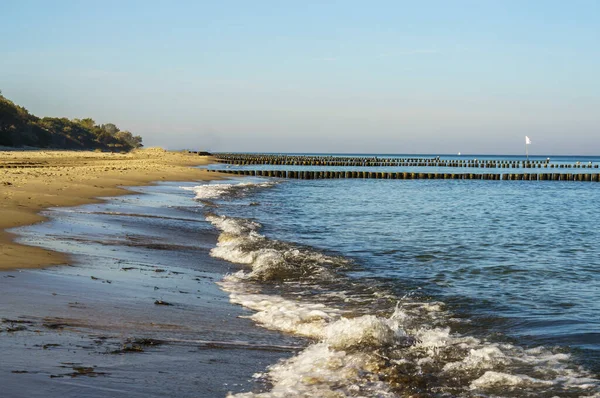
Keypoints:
(18, 128)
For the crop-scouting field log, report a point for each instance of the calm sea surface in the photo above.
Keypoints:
(433, 287)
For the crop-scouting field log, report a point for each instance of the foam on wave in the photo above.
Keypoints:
(373, 355)
(320, 371)
(276, 313)
(218, 190)
(337, 364)
(267, 259)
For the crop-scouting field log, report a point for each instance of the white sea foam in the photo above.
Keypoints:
(215, 191)
(433, 340)
(498, 379)
(363, 355)
(316, 320)
(233, 226)
(338, 366)
(268, 259)
(367, 331)
(209, 191)
(277, 313)
(477, 359)
(343, 361)
(341, 364)
(320, 371)
(496, 362)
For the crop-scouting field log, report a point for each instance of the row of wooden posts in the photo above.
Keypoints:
(317, 175)
(440, 164)
(390, 162)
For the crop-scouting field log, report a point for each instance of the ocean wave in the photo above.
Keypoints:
(401, 351)
(218, 190)
(277, 313)
(268, 259)
(338, 364)
(320, 371)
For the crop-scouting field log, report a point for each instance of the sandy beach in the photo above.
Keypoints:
(133, 310)
(34, 180)
(384, 200)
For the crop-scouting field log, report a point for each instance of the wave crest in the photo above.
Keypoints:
(267, 259)
(218, 190)
(410, 352)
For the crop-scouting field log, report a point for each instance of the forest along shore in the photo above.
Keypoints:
(31, 181)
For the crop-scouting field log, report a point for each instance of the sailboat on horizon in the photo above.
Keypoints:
(527, 143)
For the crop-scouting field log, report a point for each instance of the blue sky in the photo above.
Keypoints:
(323, 76)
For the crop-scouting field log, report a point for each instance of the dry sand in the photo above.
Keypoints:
(31, 181)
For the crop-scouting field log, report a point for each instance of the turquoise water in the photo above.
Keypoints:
(433, 287)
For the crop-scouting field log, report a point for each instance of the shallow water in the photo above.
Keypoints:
(439, 288)
(127, 253)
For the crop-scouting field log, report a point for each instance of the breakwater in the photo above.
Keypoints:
(308, 160)
(318, 175)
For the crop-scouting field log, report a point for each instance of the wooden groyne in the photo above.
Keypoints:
(307, 160)
(322, 175)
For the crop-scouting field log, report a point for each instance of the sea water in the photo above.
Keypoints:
(408, 287)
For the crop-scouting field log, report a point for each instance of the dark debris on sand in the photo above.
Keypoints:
(81, 371)
(54, 325)
(15, 325)
(137, 345)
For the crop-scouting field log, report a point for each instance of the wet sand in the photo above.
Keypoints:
(135, 312)
(132, 309)
(34, 180)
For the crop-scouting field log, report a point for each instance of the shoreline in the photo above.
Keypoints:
(151, 276)
(137, 304)
(32, 181)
